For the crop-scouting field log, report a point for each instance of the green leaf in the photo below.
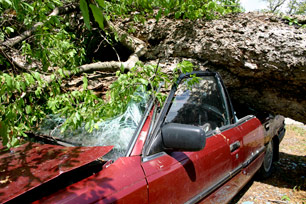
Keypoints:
(31, 9)
(121, 68)
(61, 72)
(166, 12)
(97, 13)
(211, 5)
(74, 119)
(158, 16)
(3, 133)
(101, 3)
(23, 85)
(77, 115)
(285, 197)
(9, 30)
(96, 126)
(17, 84)
(14, 141)
(144, 81)
(29, 79)
(38, 91)
(85, 82)
(28, 109)
(8, 2)
(87, 126)
(36, 75)
(85, 13)
(15, 4)
(186, 66)
(8, 80)
(177, 15)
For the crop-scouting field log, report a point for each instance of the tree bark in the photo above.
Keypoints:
(261, 58)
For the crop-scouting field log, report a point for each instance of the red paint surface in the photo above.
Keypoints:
(233, 135)
(175, 177)
(253, 137)
(228, 190)
(121, 182)
(179, 176)
(31, 165)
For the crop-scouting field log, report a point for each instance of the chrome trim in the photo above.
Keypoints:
(244, 119)
(227, 127)
(254, 156)
(234, 146)
(204, 193)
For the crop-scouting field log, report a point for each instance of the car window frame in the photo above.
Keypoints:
(140, 126)
(163, 113)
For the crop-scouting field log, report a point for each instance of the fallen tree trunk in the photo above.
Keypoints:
(261, 58)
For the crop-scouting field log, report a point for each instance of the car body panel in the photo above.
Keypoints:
(121, 181)
(31, 165)
(234, 136)
(253, 137)
(178, 176)
(229, 189)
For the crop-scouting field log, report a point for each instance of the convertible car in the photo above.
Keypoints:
(192, 150)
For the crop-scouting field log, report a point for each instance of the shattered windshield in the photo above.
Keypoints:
(117, 131)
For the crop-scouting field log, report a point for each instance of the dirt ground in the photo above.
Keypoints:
(288, 181)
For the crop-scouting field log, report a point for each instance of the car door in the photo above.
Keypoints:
(179, 177)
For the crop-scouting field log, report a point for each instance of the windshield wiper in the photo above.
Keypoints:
(52, 140)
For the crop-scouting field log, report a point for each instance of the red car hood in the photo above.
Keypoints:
(31, 165)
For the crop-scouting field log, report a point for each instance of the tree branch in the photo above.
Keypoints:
(278, 4)
(137, 46)
(17, 39)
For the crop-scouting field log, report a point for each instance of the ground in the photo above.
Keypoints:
(288, 181)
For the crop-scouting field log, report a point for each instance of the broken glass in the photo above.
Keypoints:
(117, 131)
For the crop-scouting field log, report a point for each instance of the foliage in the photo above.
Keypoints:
(296, 7)
(26, 98)
(143, 9)
(83, 107)
(285, 197)
(292, 6)
(20, 15)
(274, 5)
(21, 104)
(293, 21)
(27, 12)
(51, 44)
(54, 49)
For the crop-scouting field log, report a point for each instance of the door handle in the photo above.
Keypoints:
(234, 146)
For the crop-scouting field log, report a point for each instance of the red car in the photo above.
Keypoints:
(193, 150)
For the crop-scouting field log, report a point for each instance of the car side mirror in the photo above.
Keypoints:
(181, 137)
